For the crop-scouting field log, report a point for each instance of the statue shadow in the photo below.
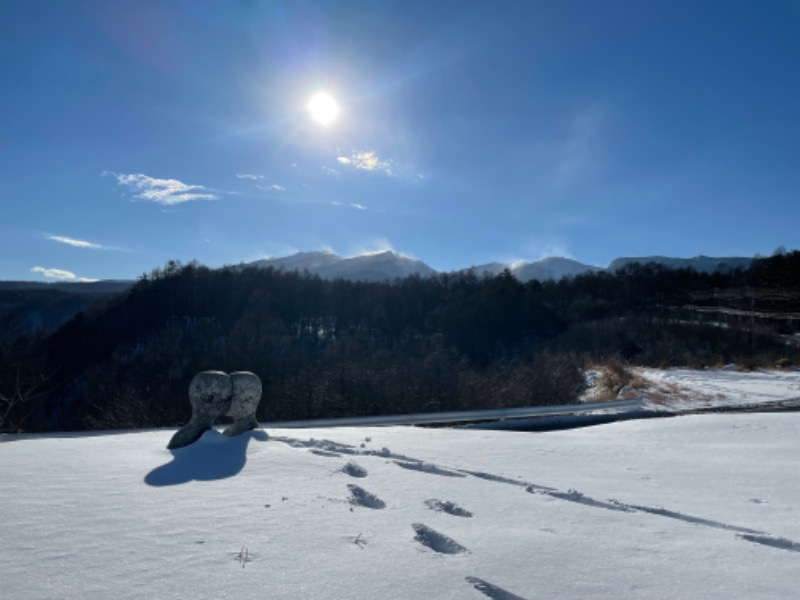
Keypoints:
(214, 456)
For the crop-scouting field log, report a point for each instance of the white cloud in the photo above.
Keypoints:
(163, 191)
(73, 242)
(329, 171)
(60, 275)
(272, 188)
(366, 161)
(250, 176)
(354, 205)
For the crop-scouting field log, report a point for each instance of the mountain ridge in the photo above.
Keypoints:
(389, 265)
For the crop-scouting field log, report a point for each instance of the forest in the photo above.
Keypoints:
(342, 348)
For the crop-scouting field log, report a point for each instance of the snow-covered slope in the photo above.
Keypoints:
(687, 389)
(703, 264)
(301, 261)
(380, 266)
(552, 267)
(688, 507)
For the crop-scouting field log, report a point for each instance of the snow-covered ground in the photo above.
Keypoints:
(687, 389)
(704, 506)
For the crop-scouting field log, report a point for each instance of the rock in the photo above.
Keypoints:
(245, 397)
(214, 394)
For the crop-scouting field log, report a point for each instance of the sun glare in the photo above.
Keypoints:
(323, 108)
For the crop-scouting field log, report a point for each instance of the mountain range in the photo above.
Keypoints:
(389, 265)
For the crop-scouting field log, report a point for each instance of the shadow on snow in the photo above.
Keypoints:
(214, 456)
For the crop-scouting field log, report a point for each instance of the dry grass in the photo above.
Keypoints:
(614, 376)
(667, 393)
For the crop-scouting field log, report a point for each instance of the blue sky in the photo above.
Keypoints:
(134, 132)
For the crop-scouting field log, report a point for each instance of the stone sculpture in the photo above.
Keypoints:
(214, 394)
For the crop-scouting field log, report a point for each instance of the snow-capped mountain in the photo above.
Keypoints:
(703, 264)
(381, 266)
(552, 267)
(301, 261)
(388, 265)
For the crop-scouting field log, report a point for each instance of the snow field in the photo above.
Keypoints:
(687, 389)
(117, 515)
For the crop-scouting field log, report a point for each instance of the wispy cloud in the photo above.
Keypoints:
(60, 275)
(354, 205)
(250, 176)
(163, 191)
(272, 188)
(580, 154)
(366, 161)
(77, 243)
(544, 246)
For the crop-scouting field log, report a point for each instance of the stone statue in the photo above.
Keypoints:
(214, 394)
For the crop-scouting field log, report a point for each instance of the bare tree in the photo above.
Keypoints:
(15, 405)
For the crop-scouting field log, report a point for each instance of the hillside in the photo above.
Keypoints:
(338, 348)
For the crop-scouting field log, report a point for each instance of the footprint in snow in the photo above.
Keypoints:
(451, 508)
(436, 541)
(492, 591)
(354, 470)
(361, 497)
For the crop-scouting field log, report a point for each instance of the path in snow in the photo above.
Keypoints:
(441, 543)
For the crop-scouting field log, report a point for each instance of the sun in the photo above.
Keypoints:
(323, 108)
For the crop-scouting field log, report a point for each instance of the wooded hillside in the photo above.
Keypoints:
(341, 348)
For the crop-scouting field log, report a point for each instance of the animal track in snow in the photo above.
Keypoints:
(774, 542)
(361, 497)
(436, 541)
(243, 557)
(451, 508)
(325, 453)
(496, 478)
(354, 470)
(428, 468)
(751, 535)
(579, 498)
(337, 447)
(531, 487)
(671, 514)
(492, 591)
